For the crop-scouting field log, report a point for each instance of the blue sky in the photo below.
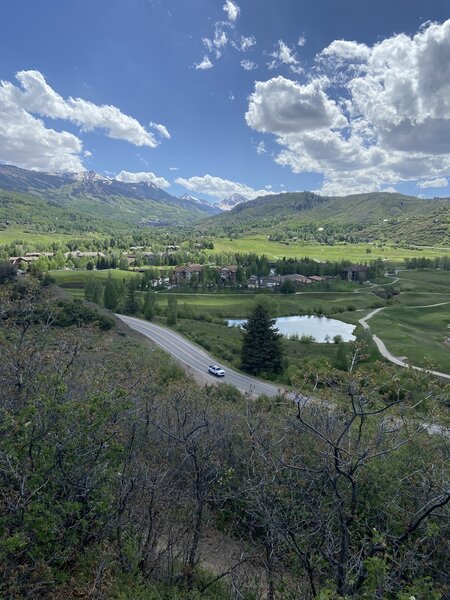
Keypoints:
(215, 97)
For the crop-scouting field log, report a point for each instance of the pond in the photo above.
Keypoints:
(321, 329)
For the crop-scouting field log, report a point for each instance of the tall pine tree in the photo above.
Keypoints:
(132, 302)
(113, 296)
(261, 347)
(93, 290)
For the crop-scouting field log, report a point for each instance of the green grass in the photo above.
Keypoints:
(434, 281)
(235, 305)
(417, 333)
(67, 278)
(259, 244)
(412, 332)
(28, 236)
(225, 343)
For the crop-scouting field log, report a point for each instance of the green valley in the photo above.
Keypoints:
(119, 423)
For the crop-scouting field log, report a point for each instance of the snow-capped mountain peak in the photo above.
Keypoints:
(87, 176)
(231, 201)
(189, 197)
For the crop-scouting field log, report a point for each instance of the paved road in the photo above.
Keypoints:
(196, 359)
(385, 352)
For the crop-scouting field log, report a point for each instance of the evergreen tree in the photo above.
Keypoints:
(261, 346)
(132, 304)
(113, 294)
(240, 276)
(110, 296)
(123, 263)
(93, 290)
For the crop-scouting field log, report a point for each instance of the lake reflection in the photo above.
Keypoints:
(321, 329)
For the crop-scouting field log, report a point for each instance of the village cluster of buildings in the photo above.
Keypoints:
(29, 257)
(272, 281)
(184, 275)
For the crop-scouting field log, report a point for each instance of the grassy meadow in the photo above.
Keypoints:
(419, 334)
(259, 244)
(235, 305)
(73, 281)
(413, 327)
(225, 343)
(422, 335)
(23, 236)
(78, 278)
(407, 329)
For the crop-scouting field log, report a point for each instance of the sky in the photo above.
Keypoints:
(220, 97)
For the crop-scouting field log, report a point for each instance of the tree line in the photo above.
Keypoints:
(440, 262)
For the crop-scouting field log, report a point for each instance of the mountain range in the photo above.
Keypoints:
(93, 199)
(89, 183)
(88, 202)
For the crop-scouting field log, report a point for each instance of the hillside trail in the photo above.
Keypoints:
(385, 352)
(240, 564)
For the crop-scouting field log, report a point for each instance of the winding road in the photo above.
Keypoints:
(197, 360)
(385, 352)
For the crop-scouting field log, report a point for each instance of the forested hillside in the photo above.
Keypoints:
(82, 202)
(382, 216)
(122, 478)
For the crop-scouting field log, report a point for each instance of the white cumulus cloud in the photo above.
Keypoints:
(371, 117)
(142, 177)
(340, 52)
(226, 35)
(244, 43)
(261, 148)
(282, 106)
(208, 44)
(439, 182)
(219, 188)
(37, 97)
(26, 141)
(220, 37)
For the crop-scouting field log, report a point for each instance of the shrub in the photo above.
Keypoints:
(74, 312)
(307, 339)
(8, 272)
